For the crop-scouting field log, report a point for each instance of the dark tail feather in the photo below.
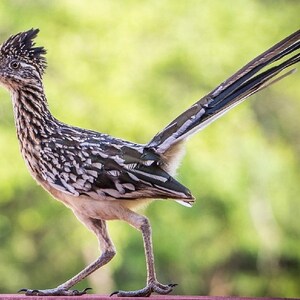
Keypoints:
(230, 93)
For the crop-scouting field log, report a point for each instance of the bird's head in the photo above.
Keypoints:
(20, 62)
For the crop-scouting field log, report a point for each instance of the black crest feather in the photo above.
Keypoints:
(21, 46)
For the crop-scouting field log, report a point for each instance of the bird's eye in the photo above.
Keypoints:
(14, 64)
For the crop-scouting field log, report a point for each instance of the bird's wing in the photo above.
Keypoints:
(106, 168)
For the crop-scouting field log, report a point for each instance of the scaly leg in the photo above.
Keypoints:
(108, 251)
(142, 223)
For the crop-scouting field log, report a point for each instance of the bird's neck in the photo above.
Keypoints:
(30, 108)
(33, 119)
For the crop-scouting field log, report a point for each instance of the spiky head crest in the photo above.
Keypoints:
(21, 46)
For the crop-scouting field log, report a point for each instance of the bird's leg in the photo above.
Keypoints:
(142, 223)
(108, 251)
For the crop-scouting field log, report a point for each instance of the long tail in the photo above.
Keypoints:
(244, 83)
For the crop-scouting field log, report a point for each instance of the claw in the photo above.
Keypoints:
(114, 293)
(30, 292)
(84, 291)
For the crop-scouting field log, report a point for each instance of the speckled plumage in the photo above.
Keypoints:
(78, 161)
(101, 177)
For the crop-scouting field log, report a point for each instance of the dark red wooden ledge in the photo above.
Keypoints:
(153, 297)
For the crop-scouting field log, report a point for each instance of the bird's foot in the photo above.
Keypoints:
(53, 292)
(152, 287)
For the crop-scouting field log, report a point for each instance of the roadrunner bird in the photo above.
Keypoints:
(103, 178)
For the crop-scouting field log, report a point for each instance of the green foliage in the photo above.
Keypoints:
(127, 68)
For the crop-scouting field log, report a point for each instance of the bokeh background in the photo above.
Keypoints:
(127, 68)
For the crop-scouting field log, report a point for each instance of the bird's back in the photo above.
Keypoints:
(87, 163)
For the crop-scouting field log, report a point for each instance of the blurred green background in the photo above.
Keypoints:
(127, 68)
